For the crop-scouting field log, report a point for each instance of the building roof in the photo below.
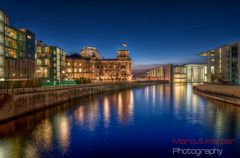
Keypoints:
(122, 50)
(90, 52)
(40, 43)
(205, 53)
(76, 56)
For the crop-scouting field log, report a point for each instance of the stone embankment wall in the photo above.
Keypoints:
(225, 93)
(21, 102)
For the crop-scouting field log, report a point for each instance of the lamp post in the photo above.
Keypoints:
(13, 75)
(67, 76)
(63, 74)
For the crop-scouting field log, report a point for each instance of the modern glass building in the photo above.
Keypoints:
(50, 62)
(191, 73)
(15, 45)
(223, 63)
(194, 73)
(30, 44)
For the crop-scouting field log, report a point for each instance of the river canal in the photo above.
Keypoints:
(141, 122)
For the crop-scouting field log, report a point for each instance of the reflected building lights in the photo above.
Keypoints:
(218, 125)
(120, 106)
(125, 106)
(79, 115)
(178, 94)
(63, 131)
(92, 114)
(195, 105)
(30, 150)
(167, 94)
(47, 134)
(106, 112)
(131, 105)
(154, 95)
(146, 93)
(189, 95)
(161, 93)
(11, 147)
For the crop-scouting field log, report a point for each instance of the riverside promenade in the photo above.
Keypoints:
(225, 93)
(20, 101)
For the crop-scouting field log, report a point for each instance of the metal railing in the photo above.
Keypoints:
(14, 90)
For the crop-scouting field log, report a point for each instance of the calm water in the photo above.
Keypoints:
(139, 122)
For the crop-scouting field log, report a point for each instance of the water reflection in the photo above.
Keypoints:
(106, 112)
(62, 129)
(119, 117)
(101, 109)
(43, 135)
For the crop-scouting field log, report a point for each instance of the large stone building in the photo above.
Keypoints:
(223, 63)
(78, 67)
(17, 49)
(95, 68)
(50, 62)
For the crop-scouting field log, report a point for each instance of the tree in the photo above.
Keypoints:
(213, 77)
(220, 78)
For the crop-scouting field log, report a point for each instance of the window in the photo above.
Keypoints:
(1, 61)
(1, 27)
(1, 49)
(1, 72)
(1, 39)
(47, 49)
(1, 17)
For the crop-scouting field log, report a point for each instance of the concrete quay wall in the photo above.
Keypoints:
(16, 104)
(225, 93)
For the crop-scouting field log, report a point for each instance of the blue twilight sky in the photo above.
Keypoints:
(157, 32)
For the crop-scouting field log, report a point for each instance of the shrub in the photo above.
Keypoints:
(83, 80)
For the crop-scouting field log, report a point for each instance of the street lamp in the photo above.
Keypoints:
(63, 74)
(13, 75)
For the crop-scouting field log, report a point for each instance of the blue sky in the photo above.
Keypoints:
(157, 32)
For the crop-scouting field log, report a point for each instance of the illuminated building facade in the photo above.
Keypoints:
(196, 73)
(178, 73)
(162, 72)
(223, 63)
(113, 69)
(193, 73)
(98, 69)
(50, 62)
(15, 45)
(78, 67)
